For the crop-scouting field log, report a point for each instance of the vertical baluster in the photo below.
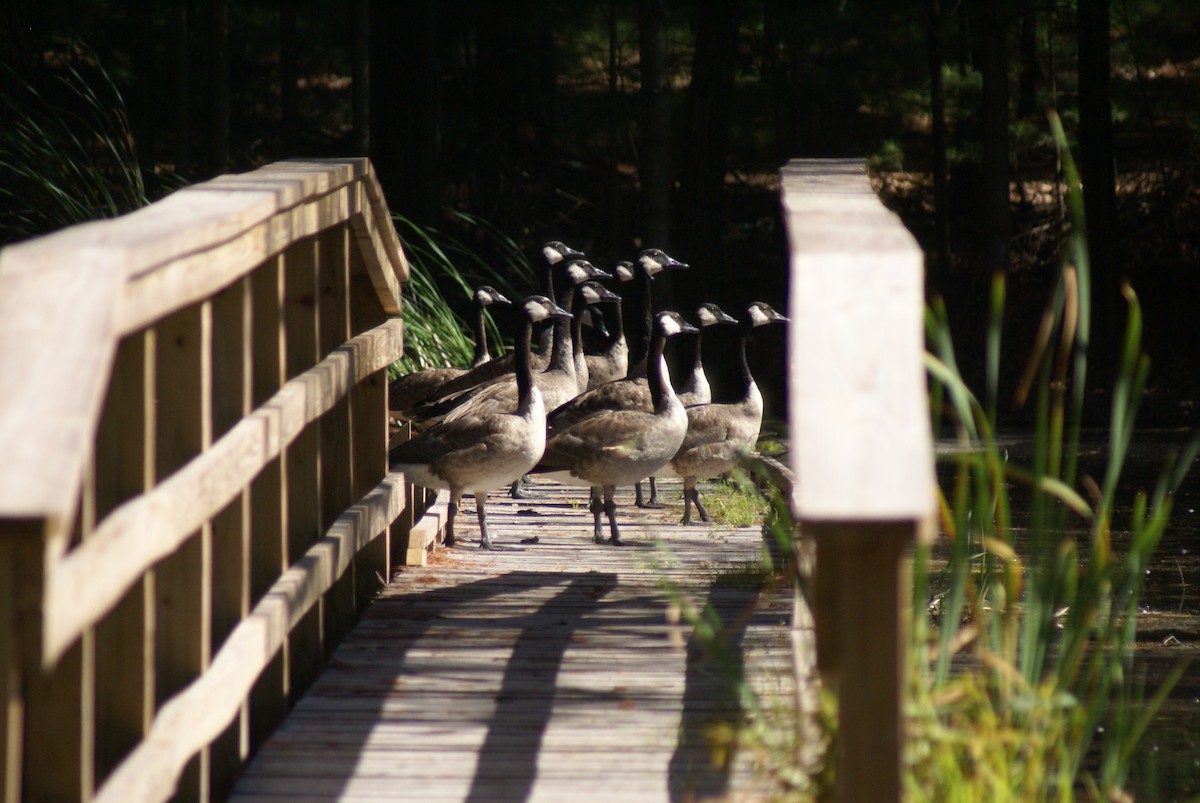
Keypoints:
(231, 390)
(124, 695)
(183, 582)
(369, 428)
(337, 478)
(268, 491)
(302, 460)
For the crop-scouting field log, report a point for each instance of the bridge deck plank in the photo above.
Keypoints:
(542, 672)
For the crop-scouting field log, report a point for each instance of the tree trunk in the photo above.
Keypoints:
(219, 73)
(361, 70)
(181, 80)
(937, 112)
(654, 161)
(654, 168)
(991, 24)
(705, 145)
(289, 74)
(1096, 167)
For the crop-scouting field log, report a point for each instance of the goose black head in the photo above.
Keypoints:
(670, 323)
(539, 308)
(759, 313)
(624, 270)
(655, 260)
(556, 251)
(594, 293)
(709, 314)
(487, 295)
(579, 271)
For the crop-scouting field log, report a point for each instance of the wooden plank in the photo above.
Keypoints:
(50, 395)
(197, 714)
(862, 578)
(90, 579)
(859, 421)
(536, 672)
(11, 703)
(183, 605)
(302, 458)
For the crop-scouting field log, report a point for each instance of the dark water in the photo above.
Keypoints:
(1167, 765)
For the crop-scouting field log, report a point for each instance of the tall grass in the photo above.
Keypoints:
(1024, 689)
(66, 152)
(443, 273)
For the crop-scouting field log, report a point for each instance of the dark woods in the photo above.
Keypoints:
(662, 122)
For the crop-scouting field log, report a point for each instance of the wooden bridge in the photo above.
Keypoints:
(196, 509)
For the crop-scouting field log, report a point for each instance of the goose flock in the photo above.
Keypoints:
(591, 408)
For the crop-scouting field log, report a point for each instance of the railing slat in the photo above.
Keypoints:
(143, 531)
(197, 714)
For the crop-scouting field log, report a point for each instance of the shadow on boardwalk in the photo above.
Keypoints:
(549, 673)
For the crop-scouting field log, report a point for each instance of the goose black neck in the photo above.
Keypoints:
(617, 330)
(561, 356)
(524, 364)
(481, 342)
(747, 377)
(643, 302)
(697, 360)
(577, 309)
(655, 377)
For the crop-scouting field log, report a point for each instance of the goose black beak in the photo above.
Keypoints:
(559, 312)
(727, 318)
(688, 329)
(500, 298)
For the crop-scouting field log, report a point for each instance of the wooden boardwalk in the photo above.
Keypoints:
(549, 671)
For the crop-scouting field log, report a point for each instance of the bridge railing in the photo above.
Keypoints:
(194, 493)
(862, 450)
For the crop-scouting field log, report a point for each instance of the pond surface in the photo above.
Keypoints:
(1167, 766)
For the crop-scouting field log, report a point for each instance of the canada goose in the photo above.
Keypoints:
(619, 445)
(589, 293)
(406, 392)
(554, 254)
(695, 389)
(631, 391)
(651, 261)
(612, 362)
(719, 434)
(558, 383)
(487, 450)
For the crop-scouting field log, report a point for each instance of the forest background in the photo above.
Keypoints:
(630, 123)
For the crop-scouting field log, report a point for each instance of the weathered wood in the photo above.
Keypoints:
(200, 712)
(862, 448)
(96, 281)
(859, 412)
(549, 671)
(146, 529)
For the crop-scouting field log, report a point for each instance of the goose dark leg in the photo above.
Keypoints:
(485, 540)
(610, 507)
(451, 514)
(689, 485)
(596, 506)
(517, 490)
(653, 501)
(699, 506)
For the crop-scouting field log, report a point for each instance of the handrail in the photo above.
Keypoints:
(193, 473)
(862, 452)
(88, 285)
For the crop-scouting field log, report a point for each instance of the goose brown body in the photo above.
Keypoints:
(488, 450)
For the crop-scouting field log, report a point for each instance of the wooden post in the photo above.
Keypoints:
(862, 449)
